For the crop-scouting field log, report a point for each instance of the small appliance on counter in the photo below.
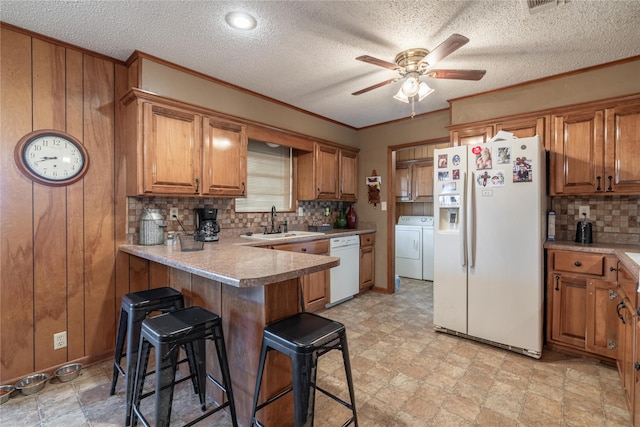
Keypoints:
(207, 227)
(584, 231)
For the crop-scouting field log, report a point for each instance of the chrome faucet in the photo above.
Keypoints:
(273, 220)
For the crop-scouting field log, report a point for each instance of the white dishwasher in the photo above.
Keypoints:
(344, 280)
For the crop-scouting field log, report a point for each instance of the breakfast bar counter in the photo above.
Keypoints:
(248, 287)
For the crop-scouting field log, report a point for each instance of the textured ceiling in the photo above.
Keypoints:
(303, 52)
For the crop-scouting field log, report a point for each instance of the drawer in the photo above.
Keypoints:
(579, 262)
(368, 239)
(312, 247)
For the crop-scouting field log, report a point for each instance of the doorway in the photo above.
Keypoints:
(403, 161)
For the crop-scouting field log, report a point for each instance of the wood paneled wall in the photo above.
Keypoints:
(57, 244)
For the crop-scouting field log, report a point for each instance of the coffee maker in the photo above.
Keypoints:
(207, 227)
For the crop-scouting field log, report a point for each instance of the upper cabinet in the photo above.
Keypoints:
(622, 148)
(471, 135)
(414, 181)
(224, 158)
(577, 152)
(520, 126)
(169, 150)
(173, 148)
(327, 173)
(595, 150)
(593, 147)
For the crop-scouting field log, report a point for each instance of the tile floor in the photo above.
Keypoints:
(405, 375)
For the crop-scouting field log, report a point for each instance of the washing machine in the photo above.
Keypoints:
(414, 247)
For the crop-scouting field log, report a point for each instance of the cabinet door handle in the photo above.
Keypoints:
(610, 183)
(619, 307)
(637, 366)
(577, 263)
(557, 280)
(611, 345)
(598, 178)
(304, 249)
(613, 269)
(243, 188)
(612, 294)
(197, 184)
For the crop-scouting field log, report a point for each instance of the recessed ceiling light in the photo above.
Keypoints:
(241, 20)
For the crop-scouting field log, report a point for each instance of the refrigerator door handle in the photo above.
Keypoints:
(471, 220)
(463, 222)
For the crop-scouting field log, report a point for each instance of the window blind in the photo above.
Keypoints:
(269, 178)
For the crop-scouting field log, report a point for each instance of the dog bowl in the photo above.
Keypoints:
(32, 384)
(5, 393)
(67, 373)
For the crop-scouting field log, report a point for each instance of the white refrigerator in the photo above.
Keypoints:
(489, 217)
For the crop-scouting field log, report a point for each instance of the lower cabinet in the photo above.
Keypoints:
(581, 302)
(367, 260)
(315, 286)
(629, 330)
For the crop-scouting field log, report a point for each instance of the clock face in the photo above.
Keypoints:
(52, 158)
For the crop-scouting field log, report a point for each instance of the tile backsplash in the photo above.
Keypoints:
(614, 218)
(231, 222)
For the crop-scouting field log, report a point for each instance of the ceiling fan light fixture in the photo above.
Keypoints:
(411, 86)
(421, 91)
(241, 21)
(424, 90)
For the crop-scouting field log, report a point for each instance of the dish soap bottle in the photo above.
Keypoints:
(351, 217)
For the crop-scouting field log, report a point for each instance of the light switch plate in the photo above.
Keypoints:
(383, 206)
(172, 212)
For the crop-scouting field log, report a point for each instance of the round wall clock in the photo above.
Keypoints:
(51, 157)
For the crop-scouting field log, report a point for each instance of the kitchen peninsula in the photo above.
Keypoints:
(248, 287)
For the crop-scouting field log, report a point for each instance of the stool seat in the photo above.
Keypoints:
(134, 308)
(166, 333)
(304, 337)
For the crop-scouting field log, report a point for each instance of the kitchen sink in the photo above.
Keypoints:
(278, 236)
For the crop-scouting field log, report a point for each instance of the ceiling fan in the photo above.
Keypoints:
(411, 64)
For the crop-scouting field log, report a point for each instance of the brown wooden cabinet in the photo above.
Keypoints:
(628, 329)
(169, 150)
(471, 135)
(178, 149)
(581, 302)
(602, 330)
(348, 176)
(327, 173)
(224, 158)
(622, 148)
(414, 181)
(595, 150)
(367, 260)
(577, 152)
(315, 285)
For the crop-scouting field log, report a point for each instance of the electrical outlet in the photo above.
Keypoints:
(582, 211)
(59, 340)
(301, 211)
(173, 213)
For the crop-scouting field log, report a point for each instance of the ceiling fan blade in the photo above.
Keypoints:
(444, 49)
(456, 74)
(375, 86)
(378, 62)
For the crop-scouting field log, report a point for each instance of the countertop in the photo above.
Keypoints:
(619, 250)
(241, 262)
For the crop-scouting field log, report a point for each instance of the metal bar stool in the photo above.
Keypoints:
(134, 308)
(166, 333)
(304, 337)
